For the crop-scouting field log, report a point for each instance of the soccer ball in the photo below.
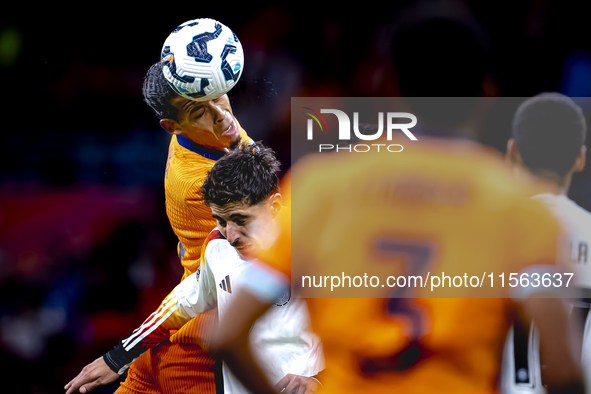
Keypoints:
(202, 59)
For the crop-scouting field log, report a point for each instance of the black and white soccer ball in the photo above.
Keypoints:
(202, 59)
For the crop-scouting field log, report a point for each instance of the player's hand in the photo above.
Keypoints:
(295, 384)
(93, 375)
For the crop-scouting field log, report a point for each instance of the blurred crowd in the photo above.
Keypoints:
(82, 219)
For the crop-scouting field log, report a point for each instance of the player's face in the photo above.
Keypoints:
(209, 123)
(248, 228)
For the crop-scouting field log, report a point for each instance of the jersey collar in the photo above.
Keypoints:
(199, 149)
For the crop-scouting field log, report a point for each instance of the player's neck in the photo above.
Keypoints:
(565, 187)
(557, 184)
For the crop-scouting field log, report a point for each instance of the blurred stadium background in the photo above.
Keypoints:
(86, 250)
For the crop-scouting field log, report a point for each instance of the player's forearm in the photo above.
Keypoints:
(119, 359)
(150, 334)
(563, 372)
(180, 306)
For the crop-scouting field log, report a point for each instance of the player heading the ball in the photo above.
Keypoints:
(202, 59)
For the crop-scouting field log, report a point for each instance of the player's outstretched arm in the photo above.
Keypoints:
(93, 375)
(187, 300)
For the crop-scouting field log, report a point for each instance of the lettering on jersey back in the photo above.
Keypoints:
(422, 190)
(579, 252)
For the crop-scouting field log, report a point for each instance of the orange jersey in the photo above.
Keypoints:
(191, 221)
(442, 207)
(173, 367)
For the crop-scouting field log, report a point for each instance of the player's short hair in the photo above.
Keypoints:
(249, 173)
(549, 130)
(158, 94)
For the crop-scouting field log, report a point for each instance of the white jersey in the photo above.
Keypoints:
(282, 339)
(574, 252)
(575, 249)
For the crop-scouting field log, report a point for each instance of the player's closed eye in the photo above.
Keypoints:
(198, 112)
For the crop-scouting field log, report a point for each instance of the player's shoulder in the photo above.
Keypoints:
(583, 215)
(189, 162)
(215, 241)
(214, 234)
(565, 205)
(186, 171)
(217, 248)
(574, 217)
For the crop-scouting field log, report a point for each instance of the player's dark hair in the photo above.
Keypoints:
(249, 173)
(549, 130)
(158, 94)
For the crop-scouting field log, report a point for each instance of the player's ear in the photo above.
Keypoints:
(275, 203)
(581, 160)
(512, 155)
(170, 125)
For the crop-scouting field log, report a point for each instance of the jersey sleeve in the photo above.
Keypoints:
(188, 299)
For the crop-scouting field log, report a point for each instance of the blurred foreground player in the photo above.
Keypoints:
(441, 204)
(549, 132)
(201, 133)
(421, 345)
(246, 206)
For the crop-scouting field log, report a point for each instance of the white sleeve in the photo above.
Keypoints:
(185, 301)
(199, 294)
(264, 282)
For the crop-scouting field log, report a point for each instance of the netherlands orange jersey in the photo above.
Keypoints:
(172, 367)
(439, 208)
(191, 221)
(186, 169)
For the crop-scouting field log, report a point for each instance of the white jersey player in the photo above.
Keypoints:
(575, 248)
(548, 140)
(283, 340)
(245, 204)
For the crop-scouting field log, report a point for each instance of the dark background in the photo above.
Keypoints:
(86, 251)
